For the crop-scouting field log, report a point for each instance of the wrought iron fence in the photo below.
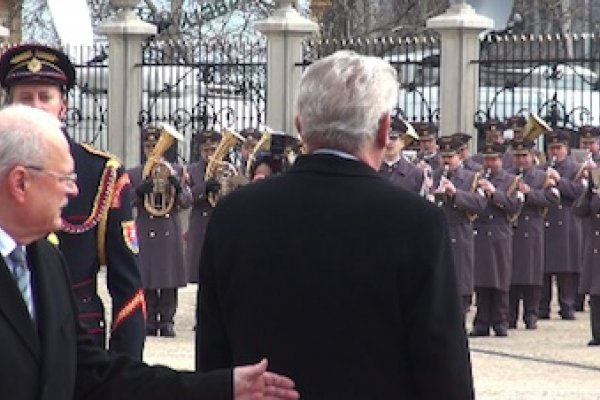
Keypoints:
(416, 59)
(203, 85)
(554, 76)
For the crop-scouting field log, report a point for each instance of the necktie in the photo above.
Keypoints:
(22, 276)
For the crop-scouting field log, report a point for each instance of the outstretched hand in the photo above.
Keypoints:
(254, 382)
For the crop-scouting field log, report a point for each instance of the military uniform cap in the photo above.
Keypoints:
(150, 134)
(493, 124)
(516, 122)
(521, 145)
(36, 63)
(588, 133)
(558, 137)
(425, 130)
(493, 149)
(463, 138)
(209, 138)
(448, 145)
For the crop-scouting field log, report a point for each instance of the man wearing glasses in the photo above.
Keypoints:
(97, 225)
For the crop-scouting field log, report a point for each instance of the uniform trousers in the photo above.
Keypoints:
(530, 294)
(161, 305)
(466, 301)
(595, 316)
(567, 283)
(492, 308)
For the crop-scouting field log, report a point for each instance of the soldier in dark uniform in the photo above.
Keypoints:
(396, 168)
(587, 206)
(588, 139)
(428, 154)
(158, 202)
(201, 208)
(467, 161)
(528, 239)
(516, 124)
(563, 236)
(494, 133)
(252, 135)
(98, 228)
(493, 243)
(456, 193)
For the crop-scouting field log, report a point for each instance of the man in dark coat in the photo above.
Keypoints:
(493, 243)
(160, 196)
(563, 236)
(396, 168)
(428, 153)
(201, 208)
(329, 261)
(98, 227)
(457, 195)
(587, 206)
(464, 154)
(46, 352)
(494, 133)
(528, 239)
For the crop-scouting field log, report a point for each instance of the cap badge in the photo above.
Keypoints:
(34, 65)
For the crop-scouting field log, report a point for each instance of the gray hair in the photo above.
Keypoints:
(23, 131)
(342, 98)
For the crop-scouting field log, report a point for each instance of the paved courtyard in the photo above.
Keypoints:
(553, 362)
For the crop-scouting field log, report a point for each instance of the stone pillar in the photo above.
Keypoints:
(125, 35)
(285, 31)
(459, 28)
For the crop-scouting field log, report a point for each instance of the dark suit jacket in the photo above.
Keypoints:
(59, 361)
(343, 280)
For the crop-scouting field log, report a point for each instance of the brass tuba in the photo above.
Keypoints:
(223, 171)
(160, 201)
(263, 144)
(534, 127)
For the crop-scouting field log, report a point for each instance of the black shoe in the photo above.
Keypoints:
(501, 331)
(567, 316)
(594, 342)
(531, 325)
(544, 316)
(167, 331)
(151, 331)
(512, 325)
(479, 332)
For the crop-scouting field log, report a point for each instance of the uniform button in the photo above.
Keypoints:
(85, 300)
(560, 206)
(167, 215)
(547, 224)
(489, 233)
(101, 324)
(454, 206)
(152, 234)
(595, 251)
(597, 215)
(152, 217)
(453, 240)
(559, 223)
(491, 217)
(167, 233)
(597, 233)
(204, 214)
(474, 233)
(527, 218)
(526, 234)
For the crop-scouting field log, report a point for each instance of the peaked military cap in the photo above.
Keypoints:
(493, 149)
(448, 145)
(516, 122)
(252, 135)
(425, 130)
(492, 125)
(521, 145)
(36, 63)
(588, 133)
(209, 138)
(150, 134)
(558, 137)
(463, 138)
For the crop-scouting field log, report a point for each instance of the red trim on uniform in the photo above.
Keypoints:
(129, 308)
(121, 184)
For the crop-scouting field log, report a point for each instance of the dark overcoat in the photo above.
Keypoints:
(161, 239)
(343, 280)
(101, 217)
(563, 236)
(493, 241)
(460, 210)
(528, 238)
(199, 217)
(403, 174)
(59, 361)
(587, 206)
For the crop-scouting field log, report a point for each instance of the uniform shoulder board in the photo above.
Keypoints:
(104, 154)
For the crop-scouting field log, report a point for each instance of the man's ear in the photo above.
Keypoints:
(383, 132)
(17, 183)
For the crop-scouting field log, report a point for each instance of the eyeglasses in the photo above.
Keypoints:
(70, 179)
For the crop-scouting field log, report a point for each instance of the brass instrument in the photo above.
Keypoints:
(534, 127)
(410, 134)
(548, 181)
(160, 201)
(441, 195)
(263, 144)
(220, 170)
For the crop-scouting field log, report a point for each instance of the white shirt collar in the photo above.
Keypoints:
(7, 243)
(335, 152)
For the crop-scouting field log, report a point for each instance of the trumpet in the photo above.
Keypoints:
(486, 176)
(550, 181)
(441, 194)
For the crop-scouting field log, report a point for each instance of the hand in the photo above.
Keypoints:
(449, 187)
(589, 165)
(212, 186)
(487, 186)
(175, 182)
(553, 174)
(524, 188)
(253, 382)
(144, 188)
